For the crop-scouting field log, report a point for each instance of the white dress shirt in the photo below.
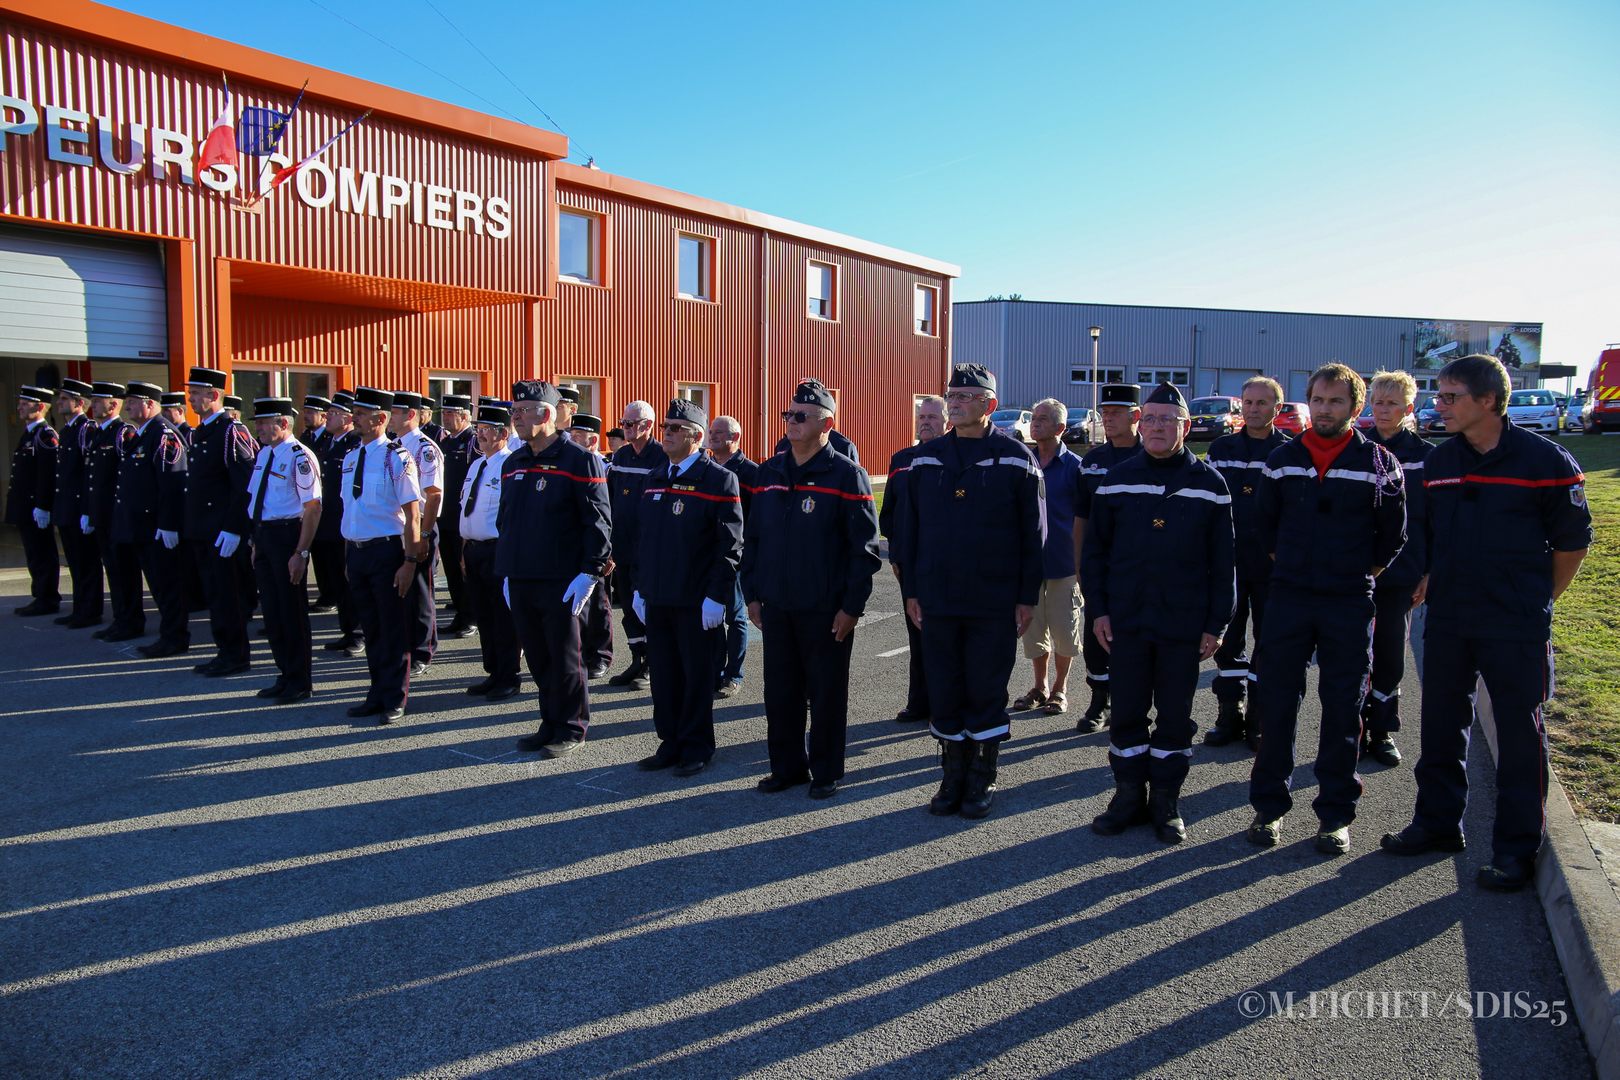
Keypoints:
(295, 479)
(483, 488)
(389, 485)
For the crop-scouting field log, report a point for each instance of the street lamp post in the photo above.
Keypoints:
(1096, 334)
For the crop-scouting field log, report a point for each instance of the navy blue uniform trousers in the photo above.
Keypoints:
(1382, 709)
(1156, 676)
(1235, 666)
(804, 665)
(680, 662)
(1518, 675)
(1338, 629)
(485, 607)
(165, 579)
(285, 605)
(968, 661)
(385, 617)
(424, 615)
(123, 565)
(550, 634)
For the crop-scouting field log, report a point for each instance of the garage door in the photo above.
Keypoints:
(69, 297)
(1232, 381)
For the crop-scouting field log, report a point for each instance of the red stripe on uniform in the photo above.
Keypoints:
(854, 496)
(1512, 481)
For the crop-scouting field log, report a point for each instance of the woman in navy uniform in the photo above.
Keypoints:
(121, 561)
(552, 548)
(809, 553)
(31, 496)
(687, 553)
(1120, 407)
(1333, 515)
(284, 496)
(149, 511)
(1508, 526)
(1240, 458)
(78, 546)
(1159, 586)
(970, 577)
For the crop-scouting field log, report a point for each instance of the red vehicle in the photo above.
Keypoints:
(1293, 417)
(1602, 410)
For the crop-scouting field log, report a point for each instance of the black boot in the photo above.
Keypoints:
(1096, 717)
(954, 758)
(981, 780)
(1165, 777)
(634, 676)
(1129, 805)
(1228, 725)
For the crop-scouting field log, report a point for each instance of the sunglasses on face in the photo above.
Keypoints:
(795, 416)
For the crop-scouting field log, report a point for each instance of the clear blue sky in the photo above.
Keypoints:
(1426, 159)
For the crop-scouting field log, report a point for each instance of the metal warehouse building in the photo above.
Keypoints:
(431, 249)
(1040, 349)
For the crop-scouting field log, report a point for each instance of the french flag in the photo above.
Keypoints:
(282, 175)
(220, 146)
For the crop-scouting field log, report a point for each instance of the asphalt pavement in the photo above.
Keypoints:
(192, 884)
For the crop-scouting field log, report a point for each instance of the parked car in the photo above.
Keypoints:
(1082, 427)
(1365, 421)
(1428, 417)
(1534, 409)
(1014, 422)
(1293, 417)
(1213, 417)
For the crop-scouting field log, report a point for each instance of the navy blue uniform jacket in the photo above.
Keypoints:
(1241, 460)
(691, 536)
(553, 522)
(628, 477)
(1494, 522)
(33, 474)
(1411, 450)
(219, 466)
(1158, 549)
(1329, 534)
(810, 541)
(893, 515)
(101, 473)
(974, 527)
(151, 484)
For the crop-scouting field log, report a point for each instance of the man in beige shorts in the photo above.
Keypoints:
(1054, 632)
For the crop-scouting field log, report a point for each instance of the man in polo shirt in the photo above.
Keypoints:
(1053, 637)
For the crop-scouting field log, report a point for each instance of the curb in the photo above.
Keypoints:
(1583, 914)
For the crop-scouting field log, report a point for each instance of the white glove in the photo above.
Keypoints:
(713, 614)
(639, 606)
(42, 518)
(578, 592)
(506, 591)
(171, 540)
(227, 544)
(84, 524)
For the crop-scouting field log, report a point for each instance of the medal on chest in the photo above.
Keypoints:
(809, 504)
(540, 484)
(678, 508)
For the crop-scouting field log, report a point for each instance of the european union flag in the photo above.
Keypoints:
(259, 130)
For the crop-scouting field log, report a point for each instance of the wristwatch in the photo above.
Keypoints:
(302, 555)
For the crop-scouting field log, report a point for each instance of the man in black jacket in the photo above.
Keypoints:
(629, 474)
(78, 547)
(31, 497)
(725, 447)
(930, 424)
(121, 561)
(149, 512)
(219, 465)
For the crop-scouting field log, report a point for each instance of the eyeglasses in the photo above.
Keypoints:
(1161, 421)
(963, 397)
(797, 416)
(629, 423)
(671, 429)
(1449, 398)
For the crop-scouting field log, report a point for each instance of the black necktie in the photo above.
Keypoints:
(264, 486)
(359, 483)
(472, 496)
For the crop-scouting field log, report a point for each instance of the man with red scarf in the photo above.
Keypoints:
(1332, 511)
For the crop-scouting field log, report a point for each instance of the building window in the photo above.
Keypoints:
(696, 267)
(821, 290)
(926, 303)
(1173, 376)
(700, 394)
(589, 391)
(579, 244)
(445, 382)
(251, 383)
(1079, 374)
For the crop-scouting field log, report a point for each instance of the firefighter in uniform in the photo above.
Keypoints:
(478, 507)
(328, 551)
(1332, 513)
(459, 452)
(970, 577)
(79, 547)
(424, 628)
(838, 441)
(1159, 582)
(219, 463)
(313, 434)
(725, 447)
(149, 511)
(1240, 458)
(552, 547)
(809, 552)
(1120, 407)
(640, 458)
(31, 497)
(596, 636)
(689, 545)
(285, 510)
(1392, 395)
(121, 562)
(172, 407)
(382, 516)
(930, 423)
(424, 418)
(1508, 526)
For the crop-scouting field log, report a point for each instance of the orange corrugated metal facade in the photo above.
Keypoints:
(422, 241)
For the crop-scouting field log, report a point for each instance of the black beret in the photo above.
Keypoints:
(76, 388)
(35, 393)
(494, 416)
(314, 401)
(174, 399)
(568, 394)
(1167, 394)
(615, 433)
(231, 401)
(273, 406)
(1120, 394)
(973, 376)
(108, 390)
(535, 390)
(811, 392)
(211, 378)
(682, 411)
(144, 390)
(587, 422)
(342, 401)
(404, 399)
(368, 397)
(456, 401)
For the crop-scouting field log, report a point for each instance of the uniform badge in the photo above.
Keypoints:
(679, 507)
(303, 468)
(1577, 495)
(1158, 523)
(961, 493)
(1248, 489)
(624, 491)
(809, 504)
(540, 484)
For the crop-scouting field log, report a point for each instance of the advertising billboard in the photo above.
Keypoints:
(1435, 344)
(1518, 345)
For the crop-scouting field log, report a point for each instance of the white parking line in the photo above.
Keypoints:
(893, 652)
